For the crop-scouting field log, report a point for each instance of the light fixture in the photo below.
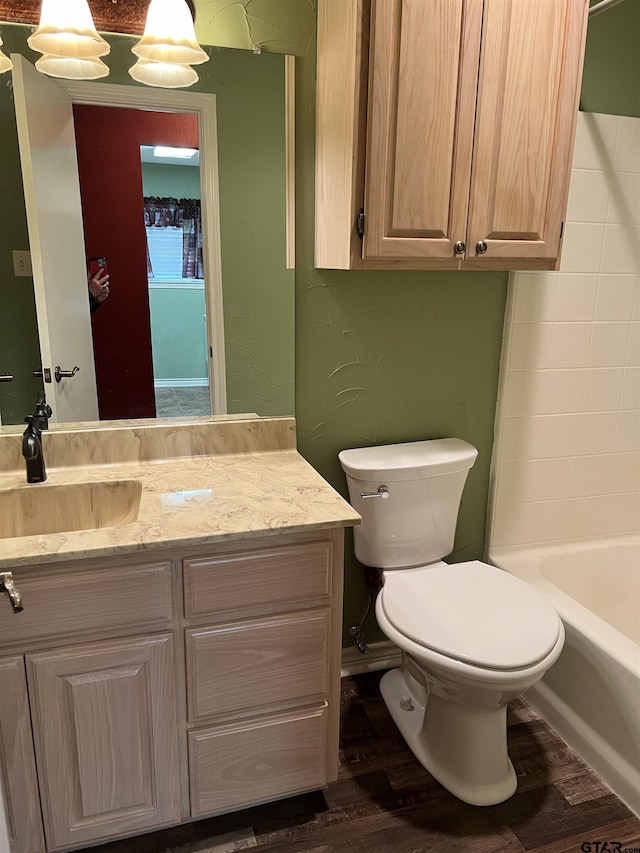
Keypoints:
(66, 29)
(72, 68)
(167, 75)
(170, 151)
(5, 63)
(169, 35)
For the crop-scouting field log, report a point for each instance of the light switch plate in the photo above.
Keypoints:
(22, 263)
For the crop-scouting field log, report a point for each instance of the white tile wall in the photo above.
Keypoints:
(567, 453)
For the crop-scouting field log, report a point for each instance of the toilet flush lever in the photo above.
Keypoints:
(383, 492)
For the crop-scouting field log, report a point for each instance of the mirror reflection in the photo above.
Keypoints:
(257, 289)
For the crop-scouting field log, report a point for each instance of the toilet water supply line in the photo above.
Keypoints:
(373, 580)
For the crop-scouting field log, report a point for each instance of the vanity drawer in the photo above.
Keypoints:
(250, 665)
(249, 580)
(68, 602)
(244, 764)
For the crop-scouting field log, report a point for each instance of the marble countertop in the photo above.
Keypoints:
(202, 481)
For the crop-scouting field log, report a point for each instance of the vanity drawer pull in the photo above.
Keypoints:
(6, 581)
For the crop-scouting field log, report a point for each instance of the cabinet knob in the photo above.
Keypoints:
(481, 247)
(459, 248)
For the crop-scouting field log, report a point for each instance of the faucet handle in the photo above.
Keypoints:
(43, 412)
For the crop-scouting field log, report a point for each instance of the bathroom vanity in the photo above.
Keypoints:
(179, 657)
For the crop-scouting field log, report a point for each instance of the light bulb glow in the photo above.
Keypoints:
(5, 63)
(166, 75)
(169, 151)
(169, 35)
(72, 68)
(66, 29)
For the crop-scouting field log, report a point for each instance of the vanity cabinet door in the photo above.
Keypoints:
(104, 720)
(17, 764)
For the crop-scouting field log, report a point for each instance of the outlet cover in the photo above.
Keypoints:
(22, 263)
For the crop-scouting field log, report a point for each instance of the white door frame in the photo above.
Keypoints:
(203, 105)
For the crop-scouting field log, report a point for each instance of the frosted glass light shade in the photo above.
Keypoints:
(5, 63)
(66, 28)
(169, 35)
(166, 75)
(72, 68)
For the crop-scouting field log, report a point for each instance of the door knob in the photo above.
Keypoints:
(64, 374)
(481, 247)
(459, 248)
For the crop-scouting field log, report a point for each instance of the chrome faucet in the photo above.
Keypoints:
(32, 441)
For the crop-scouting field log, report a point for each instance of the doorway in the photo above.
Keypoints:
(154, 321)
(112, 124)
(175, 279)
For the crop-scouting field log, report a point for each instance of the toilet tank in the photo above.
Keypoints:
(415, 521)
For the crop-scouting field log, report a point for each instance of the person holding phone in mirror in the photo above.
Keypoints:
(98, 282)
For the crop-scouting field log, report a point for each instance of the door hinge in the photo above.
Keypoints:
(360, 224)
(561, 229)
(210, 352)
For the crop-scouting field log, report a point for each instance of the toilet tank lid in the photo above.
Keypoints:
(411, 460)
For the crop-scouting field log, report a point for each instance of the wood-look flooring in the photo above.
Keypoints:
(384, 801)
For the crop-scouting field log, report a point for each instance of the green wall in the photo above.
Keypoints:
(611, 79)
(395, 356)
(178, 338)
(381, 357)
(167, 180)
(178, 332)
(258, 291)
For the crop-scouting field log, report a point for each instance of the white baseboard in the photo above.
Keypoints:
(180, 383)
(382, 655)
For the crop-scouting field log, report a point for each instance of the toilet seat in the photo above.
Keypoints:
(473, 613)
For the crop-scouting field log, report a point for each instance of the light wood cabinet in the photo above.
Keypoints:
(104, 720)
(242, 764)
(449, 127)
(263, 652)
(139, 691)
(17, 763)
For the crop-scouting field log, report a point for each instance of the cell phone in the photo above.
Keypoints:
(97, 265)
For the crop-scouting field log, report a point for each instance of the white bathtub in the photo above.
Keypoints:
(591, 696)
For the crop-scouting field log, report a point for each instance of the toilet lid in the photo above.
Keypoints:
(471, 612)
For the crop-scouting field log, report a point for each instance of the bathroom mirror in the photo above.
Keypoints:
(257, 287)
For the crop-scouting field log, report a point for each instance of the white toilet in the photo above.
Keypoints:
(473, 637)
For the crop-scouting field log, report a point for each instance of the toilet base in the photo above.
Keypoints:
(463, 747)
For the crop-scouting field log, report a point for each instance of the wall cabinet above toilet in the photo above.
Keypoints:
(445, 132)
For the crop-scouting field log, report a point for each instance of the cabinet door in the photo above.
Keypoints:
(422, 88)
(530, 72)
(104, 719)
(17, 765)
